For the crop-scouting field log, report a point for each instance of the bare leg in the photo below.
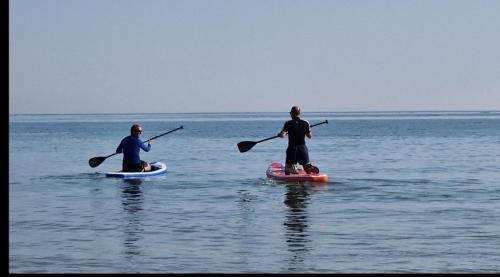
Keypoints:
(147, 167)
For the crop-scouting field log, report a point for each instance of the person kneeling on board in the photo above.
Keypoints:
(131, 146)
(297, 129)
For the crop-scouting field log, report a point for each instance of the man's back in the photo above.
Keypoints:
(297, 130)
(130, 146)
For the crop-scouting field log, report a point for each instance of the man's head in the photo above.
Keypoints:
(136, 130)
(295, 111)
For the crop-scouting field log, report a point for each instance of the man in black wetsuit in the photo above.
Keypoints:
(297, 152)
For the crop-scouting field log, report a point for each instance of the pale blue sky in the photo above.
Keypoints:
(119, 56)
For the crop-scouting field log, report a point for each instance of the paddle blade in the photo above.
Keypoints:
(244, 146)
(96, 161)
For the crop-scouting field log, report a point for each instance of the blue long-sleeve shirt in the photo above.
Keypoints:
(130, 147)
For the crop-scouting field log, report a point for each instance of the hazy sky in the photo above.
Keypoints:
(119, 56)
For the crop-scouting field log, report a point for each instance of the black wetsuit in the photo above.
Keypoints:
(297, 151)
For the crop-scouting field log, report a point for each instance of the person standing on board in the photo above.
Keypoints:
(297, 129)
(130, 146)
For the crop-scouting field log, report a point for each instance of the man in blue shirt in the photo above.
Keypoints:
(130, 147)
(297, 152)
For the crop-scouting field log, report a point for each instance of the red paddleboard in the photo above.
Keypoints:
(276, 171)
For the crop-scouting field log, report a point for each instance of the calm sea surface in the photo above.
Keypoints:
(408, 192)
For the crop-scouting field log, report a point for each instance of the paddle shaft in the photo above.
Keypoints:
(244, 146)
(112, 155)
(326, 121)
(155, 137)
(93, 162)
(267, 139)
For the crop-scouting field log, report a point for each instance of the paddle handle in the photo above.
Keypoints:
(326, 121)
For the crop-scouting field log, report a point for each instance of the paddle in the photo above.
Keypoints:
(244, 146)
(96, 161)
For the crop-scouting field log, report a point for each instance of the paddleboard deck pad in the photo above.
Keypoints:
(157, 169)
(276, 171)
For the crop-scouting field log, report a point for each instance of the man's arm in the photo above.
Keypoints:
(283, 131)
(119, 149)
(309, 133)
(144, 146)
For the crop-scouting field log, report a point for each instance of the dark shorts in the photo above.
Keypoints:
(297, 154)
(134, 167)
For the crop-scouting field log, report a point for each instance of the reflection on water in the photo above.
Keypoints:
(244, 229)
(132, 200)
(296, 222)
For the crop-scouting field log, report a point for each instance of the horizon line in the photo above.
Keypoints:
(233, 112)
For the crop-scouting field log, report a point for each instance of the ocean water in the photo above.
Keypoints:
(408, 192)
